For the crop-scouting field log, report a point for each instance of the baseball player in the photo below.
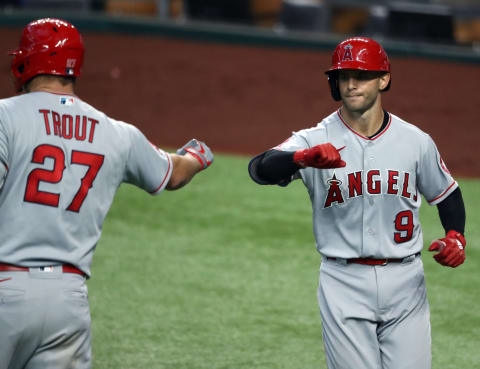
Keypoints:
(61, 162)
(365, 170)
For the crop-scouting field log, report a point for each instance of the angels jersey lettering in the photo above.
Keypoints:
(370, 208)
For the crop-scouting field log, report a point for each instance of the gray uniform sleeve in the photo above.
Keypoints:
(434, 179)
(296, 141)
(3, 154)
(3, 174)
(147, 167)
(3, 143)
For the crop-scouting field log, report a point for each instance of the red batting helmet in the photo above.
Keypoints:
(358, 53)
(47, 46)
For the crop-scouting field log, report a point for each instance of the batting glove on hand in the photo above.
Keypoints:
(321, 156)
(199, 150)
(451, 249)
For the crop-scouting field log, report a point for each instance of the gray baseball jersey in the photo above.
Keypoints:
(373, 316)
(370, 207)
(64, 160)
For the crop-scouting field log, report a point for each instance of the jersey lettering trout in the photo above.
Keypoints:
(79, 127)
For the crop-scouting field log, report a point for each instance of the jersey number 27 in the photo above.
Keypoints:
(33, 194)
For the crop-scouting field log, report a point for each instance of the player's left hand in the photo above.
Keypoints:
(199, 150)
(451, 249)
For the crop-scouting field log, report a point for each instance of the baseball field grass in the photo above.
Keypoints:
(223, 275)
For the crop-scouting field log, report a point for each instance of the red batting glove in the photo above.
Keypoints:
(451, 249)
(323, 156)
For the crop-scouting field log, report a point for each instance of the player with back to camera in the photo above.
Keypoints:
(365, 170)
(61, 162)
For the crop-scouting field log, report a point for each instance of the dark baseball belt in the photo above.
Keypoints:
(66, 268)
(372, 261)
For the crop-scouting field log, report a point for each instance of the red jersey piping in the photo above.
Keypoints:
(443, 193)
(166, 175)
(362, 136)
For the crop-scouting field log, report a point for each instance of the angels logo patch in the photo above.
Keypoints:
(334, 193)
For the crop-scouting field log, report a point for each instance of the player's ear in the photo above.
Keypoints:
(384, 80)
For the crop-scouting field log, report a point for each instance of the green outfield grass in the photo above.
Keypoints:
(223, 275)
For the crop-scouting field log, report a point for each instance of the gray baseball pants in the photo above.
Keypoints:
(375, 317)
(44, 320)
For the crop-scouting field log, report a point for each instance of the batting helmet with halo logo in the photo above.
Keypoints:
(47, 46)
(357, 53)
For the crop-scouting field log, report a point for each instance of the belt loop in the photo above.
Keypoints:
(340, 261)
(410, 258)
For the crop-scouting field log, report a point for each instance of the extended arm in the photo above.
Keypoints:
(272, 167)
(275, 166)
(184, 169)
(452, 247)
(190, 159)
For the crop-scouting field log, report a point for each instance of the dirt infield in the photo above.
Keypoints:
(245, 100)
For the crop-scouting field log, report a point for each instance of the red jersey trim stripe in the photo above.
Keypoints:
(362, 136)
(443, 193)
(167, 175)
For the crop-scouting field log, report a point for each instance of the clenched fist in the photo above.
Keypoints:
(199, 150)
(451, 249)
(322, 156)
